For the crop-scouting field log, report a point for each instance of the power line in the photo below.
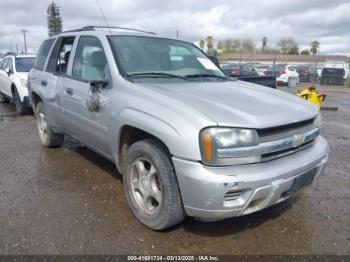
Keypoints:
(103, 15)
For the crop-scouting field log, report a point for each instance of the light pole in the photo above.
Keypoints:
(25, 39)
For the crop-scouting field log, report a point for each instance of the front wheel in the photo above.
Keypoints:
(20, 108)
(150, 185)
(48, 137)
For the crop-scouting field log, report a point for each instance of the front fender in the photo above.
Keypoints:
(22, 90)
(182, 140)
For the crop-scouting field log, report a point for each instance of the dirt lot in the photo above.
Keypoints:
(70, 201)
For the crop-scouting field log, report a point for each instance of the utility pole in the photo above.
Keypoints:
(177, 33)
(25, 39)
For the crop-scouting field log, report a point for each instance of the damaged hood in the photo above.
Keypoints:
(237, 103)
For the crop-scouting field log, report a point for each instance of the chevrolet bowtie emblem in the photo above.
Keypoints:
(298, 140)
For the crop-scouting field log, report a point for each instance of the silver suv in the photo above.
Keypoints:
(187, 139)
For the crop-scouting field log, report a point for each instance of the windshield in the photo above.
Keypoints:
(162, 58)
(24, 64)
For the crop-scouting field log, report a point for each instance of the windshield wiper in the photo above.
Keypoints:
(206, 75)
(158, 74)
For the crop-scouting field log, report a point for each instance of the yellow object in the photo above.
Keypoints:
(310, 94)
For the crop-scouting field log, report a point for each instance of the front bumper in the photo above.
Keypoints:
(214, 193)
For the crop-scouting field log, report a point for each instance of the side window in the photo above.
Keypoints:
(90, 61)
(58, 62)
(42, 54)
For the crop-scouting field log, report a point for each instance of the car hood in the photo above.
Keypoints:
(237, 103)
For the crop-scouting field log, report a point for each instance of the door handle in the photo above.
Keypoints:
(43, 83)
(69, 91)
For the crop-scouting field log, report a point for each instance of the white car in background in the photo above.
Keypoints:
(283, 73)
(13, 80)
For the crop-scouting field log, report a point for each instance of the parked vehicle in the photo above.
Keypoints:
(260, 69)
(188, 139)
(334, 72)
(239, 70)
(306, 73)
(283, 73)
(13, 80)
(247, 73)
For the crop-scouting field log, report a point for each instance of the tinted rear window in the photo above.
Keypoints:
(277, 67)
(42, 54)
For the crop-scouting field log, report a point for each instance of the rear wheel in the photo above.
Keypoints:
(48, 137)
(151, 187)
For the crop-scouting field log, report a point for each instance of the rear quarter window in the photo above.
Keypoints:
(43, 54)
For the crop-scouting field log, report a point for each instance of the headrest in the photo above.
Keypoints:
(66, 57)
(98, 59)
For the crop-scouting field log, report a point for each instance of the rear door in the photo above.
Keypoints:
(39, 79)
(55, 75)
(88, 63)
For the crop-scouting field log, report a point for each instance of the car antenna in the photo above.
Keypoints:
(103, 15)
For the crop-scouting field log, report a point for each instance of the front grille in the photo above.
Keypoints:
(284, 131)
(278, 154)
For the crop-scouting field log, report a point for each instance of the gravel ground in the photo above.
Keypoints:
(70, 201)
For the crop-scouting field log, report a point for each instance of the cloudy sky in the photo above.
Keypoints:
(327, 21)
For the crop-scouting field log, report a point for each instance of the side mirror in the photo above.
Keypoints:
(98, 84)
(8, 71)
(94, 99)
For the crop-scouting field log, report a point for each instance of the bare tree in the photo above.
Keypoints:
(248, 45)
(288, 46)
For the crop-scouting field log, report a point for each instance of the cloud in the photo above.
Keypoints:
(326, 21)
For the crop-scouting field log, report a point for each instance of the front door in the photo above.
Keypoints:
(89, 64)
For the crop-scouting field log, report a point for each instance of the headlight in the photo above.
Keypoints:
(24, 82)
(218, 145)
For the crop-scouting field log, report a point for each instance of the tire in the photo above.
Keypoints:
(48, 138)
(148, 174)
(3, 98)
(20, 108)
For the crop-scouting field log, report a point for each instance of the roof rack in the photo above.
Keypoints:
(93, 28)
